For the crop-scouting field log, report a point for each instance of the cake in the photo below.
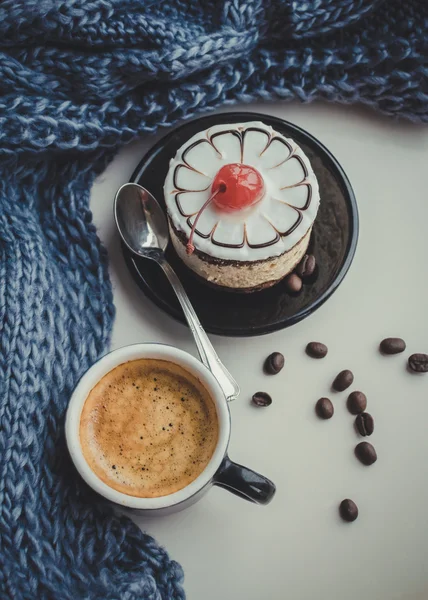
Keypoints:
(241, 202)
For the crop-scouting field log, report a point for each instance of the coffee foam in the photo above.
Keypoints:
(148, 428)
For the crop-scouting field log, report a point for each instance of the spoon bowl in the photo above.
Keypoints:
(140, 220)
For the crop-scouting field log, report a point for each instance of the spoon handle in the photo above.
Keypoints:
(206, 351)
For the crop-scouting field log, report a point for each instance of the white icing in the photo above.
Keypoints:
(203, 158)
(291, 198)
(192, 180)
(295, 196)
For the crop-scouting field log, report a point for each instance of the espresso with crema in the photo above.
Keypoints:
(148, 428)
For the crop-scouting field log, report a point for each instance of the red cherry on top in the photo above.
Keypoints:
(238, 186)
(234, 187)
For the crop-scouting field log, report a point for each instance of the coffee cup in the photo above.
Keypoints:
(220, 470)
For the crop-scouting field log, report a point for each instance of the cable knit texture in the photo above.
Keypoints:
(78, 79)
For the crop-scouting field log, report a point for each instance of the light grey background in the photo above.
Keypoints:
(297, 548)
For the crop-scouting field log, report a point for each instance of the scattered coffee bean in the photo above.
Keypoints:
(364, 424)
(348, 510)
(262, 399)
(357, 403)
(324, 408)
(306, 266)
(392, 346)
(343, 380)
(316, 350)
(293, 283)
(274, 363)
(365, 453)
(418, 363)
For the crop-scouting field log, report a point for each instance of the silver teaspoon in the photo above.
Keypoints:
(143, 227)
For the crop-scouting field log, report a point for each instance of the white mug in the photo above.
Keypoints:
(219, 471)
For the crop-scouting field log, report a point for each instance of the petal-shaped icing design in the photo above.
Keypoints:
(226, 231)
(288, 173)
(203, 157)
(298, 195)
(275, 154)
(190, 202)
(228, 144)
(190, 181)
(254, 143)
(208, 219)
(284, 218)
(260, 232)
(278, 221)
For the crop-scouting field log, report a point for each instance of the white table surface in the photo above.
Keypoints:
(297, 548)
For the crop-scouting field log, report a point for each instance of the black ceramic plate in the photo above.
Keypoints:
(333, 242)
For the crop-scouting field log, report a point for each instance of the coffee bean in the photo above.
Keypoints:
(348, 510)
(262, 399)
(365, 453)
(357, 403)
(274, 363)
(293, 283)
(364, 424)
(316, 350)
(392, 346)
(306, 266)
(418, 363)
(343, 380)
(324, 408)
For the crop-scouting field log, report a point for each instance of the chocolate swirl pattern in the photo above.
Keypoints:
(269, 228)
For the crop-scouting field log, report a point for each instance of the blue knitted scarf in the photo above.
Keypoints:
(78, 79)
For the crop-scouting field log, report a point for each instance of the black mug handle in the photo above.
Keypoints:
(244, 482)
